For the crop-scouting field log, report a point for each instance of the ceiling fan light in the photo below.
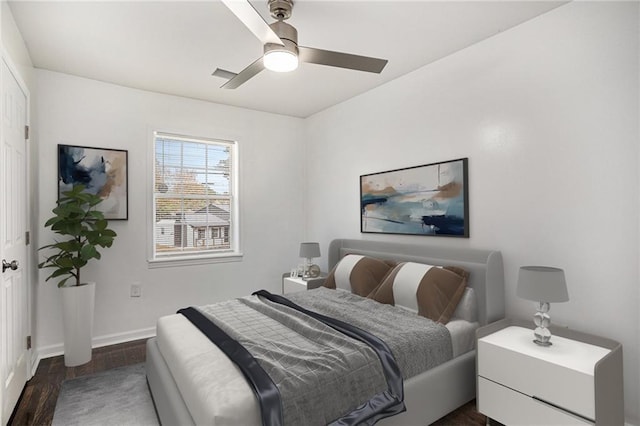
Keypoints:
(280, 60)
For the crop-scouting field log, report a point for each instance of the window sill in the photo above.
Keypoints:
(178, 261)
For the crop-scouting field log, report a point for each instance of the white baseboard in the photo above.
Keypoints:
(49, 351)
(35, 360)
(113, 339)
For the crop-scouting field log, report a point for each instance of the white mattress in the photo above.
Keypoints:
(215, 390)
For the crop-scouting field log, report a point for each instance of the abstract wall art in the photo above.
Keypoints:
(102, 171)
(431, 199)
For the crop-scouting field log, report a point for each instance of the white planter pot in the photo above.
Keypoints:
(77, 320)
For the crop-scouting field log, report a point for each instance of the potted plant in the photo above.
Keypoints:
(83, 230)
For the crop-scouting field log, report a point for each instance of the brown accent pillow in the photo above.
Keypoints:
(364, 274)
(438, 291)
(383, 293)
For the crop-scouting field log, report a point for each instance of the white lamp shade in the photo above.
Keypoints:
(309, 250)
(542, 284)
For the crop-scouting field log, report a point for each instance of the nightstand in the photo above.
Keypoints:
(291, 285)
(576, 381)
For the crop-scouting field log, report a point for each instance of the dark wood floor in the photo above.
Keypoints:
(38, 400)
(467, 415)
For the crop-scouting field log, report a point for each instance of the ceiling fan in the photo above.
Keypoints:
(281, 50)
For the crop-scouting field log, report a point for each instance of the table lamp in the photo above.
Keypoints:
(542, 284)
(309, 251)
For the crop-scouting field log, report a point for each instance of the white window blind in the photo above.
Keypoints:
(193, 198)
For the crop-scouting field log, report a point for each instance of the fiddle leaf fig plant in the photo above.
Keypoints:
(83, 230)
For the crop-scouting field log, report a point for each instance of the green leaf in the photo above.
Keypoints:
(52, 221)
(104, 241)
(88, 252)
(92, 236)
(84, 196)
(94, 202)
(78, 262)
(109, 233)
(65, 262)
(96, 214)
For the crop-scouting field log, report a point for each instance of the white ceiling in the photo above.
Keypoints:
(173, 46)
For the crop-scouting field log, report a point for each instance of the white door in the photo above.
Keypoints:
(14, 309)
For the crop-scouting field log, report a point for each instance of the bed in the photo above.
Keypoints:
(428, 396)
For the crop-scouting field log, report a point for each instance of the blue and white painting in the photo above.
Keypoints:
(424, 200)
(102, 171)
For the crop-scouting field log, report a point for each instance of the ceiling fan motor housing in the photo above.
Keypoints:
(285, 31)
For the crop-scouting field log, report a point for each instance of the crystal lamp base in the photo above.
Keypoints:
(542, 320)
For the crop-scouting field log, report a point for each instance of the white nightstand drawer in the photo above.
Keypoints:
(292, 285)
(515, 409)
(562, 373)
(295, 284)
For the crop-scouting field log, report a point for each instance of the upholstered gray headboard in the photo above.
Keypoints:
(484, 266)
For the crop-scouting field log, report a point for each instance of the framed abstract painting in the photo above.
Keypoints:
(432, 199)
(102, 171)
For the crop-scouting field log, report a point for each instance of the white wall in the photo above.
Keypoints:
(78, 111)
(547, 114)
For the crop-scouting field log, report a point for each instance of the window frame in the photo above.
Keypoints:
(234, 253)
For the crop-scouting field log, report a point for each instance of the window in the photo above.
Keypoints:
(194, 198)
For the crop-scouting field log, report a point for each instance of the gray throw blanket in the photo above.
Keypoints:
(322, 374)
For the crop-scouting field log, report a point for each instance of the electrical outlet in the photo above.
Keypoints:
(136, 290)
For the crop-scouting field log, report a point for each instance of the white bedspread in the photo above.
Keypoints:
(213, 388)
(463, 335)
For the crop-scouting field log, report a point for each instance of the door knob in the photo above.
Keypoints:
(13, 265)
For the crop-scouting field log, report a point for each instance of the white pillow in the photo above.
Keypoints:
(467, 308)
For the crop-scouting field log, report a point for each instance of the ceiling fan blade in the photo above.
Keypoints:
(245, 12)
(227, 75)
(341, 60)
(244, 75)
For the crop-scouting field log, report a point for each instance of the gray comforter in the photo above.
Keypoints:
(322, 374)
(417, 343)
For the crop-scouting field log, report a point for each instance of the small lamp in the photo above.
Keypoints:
(309, 251)
(544, 285)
